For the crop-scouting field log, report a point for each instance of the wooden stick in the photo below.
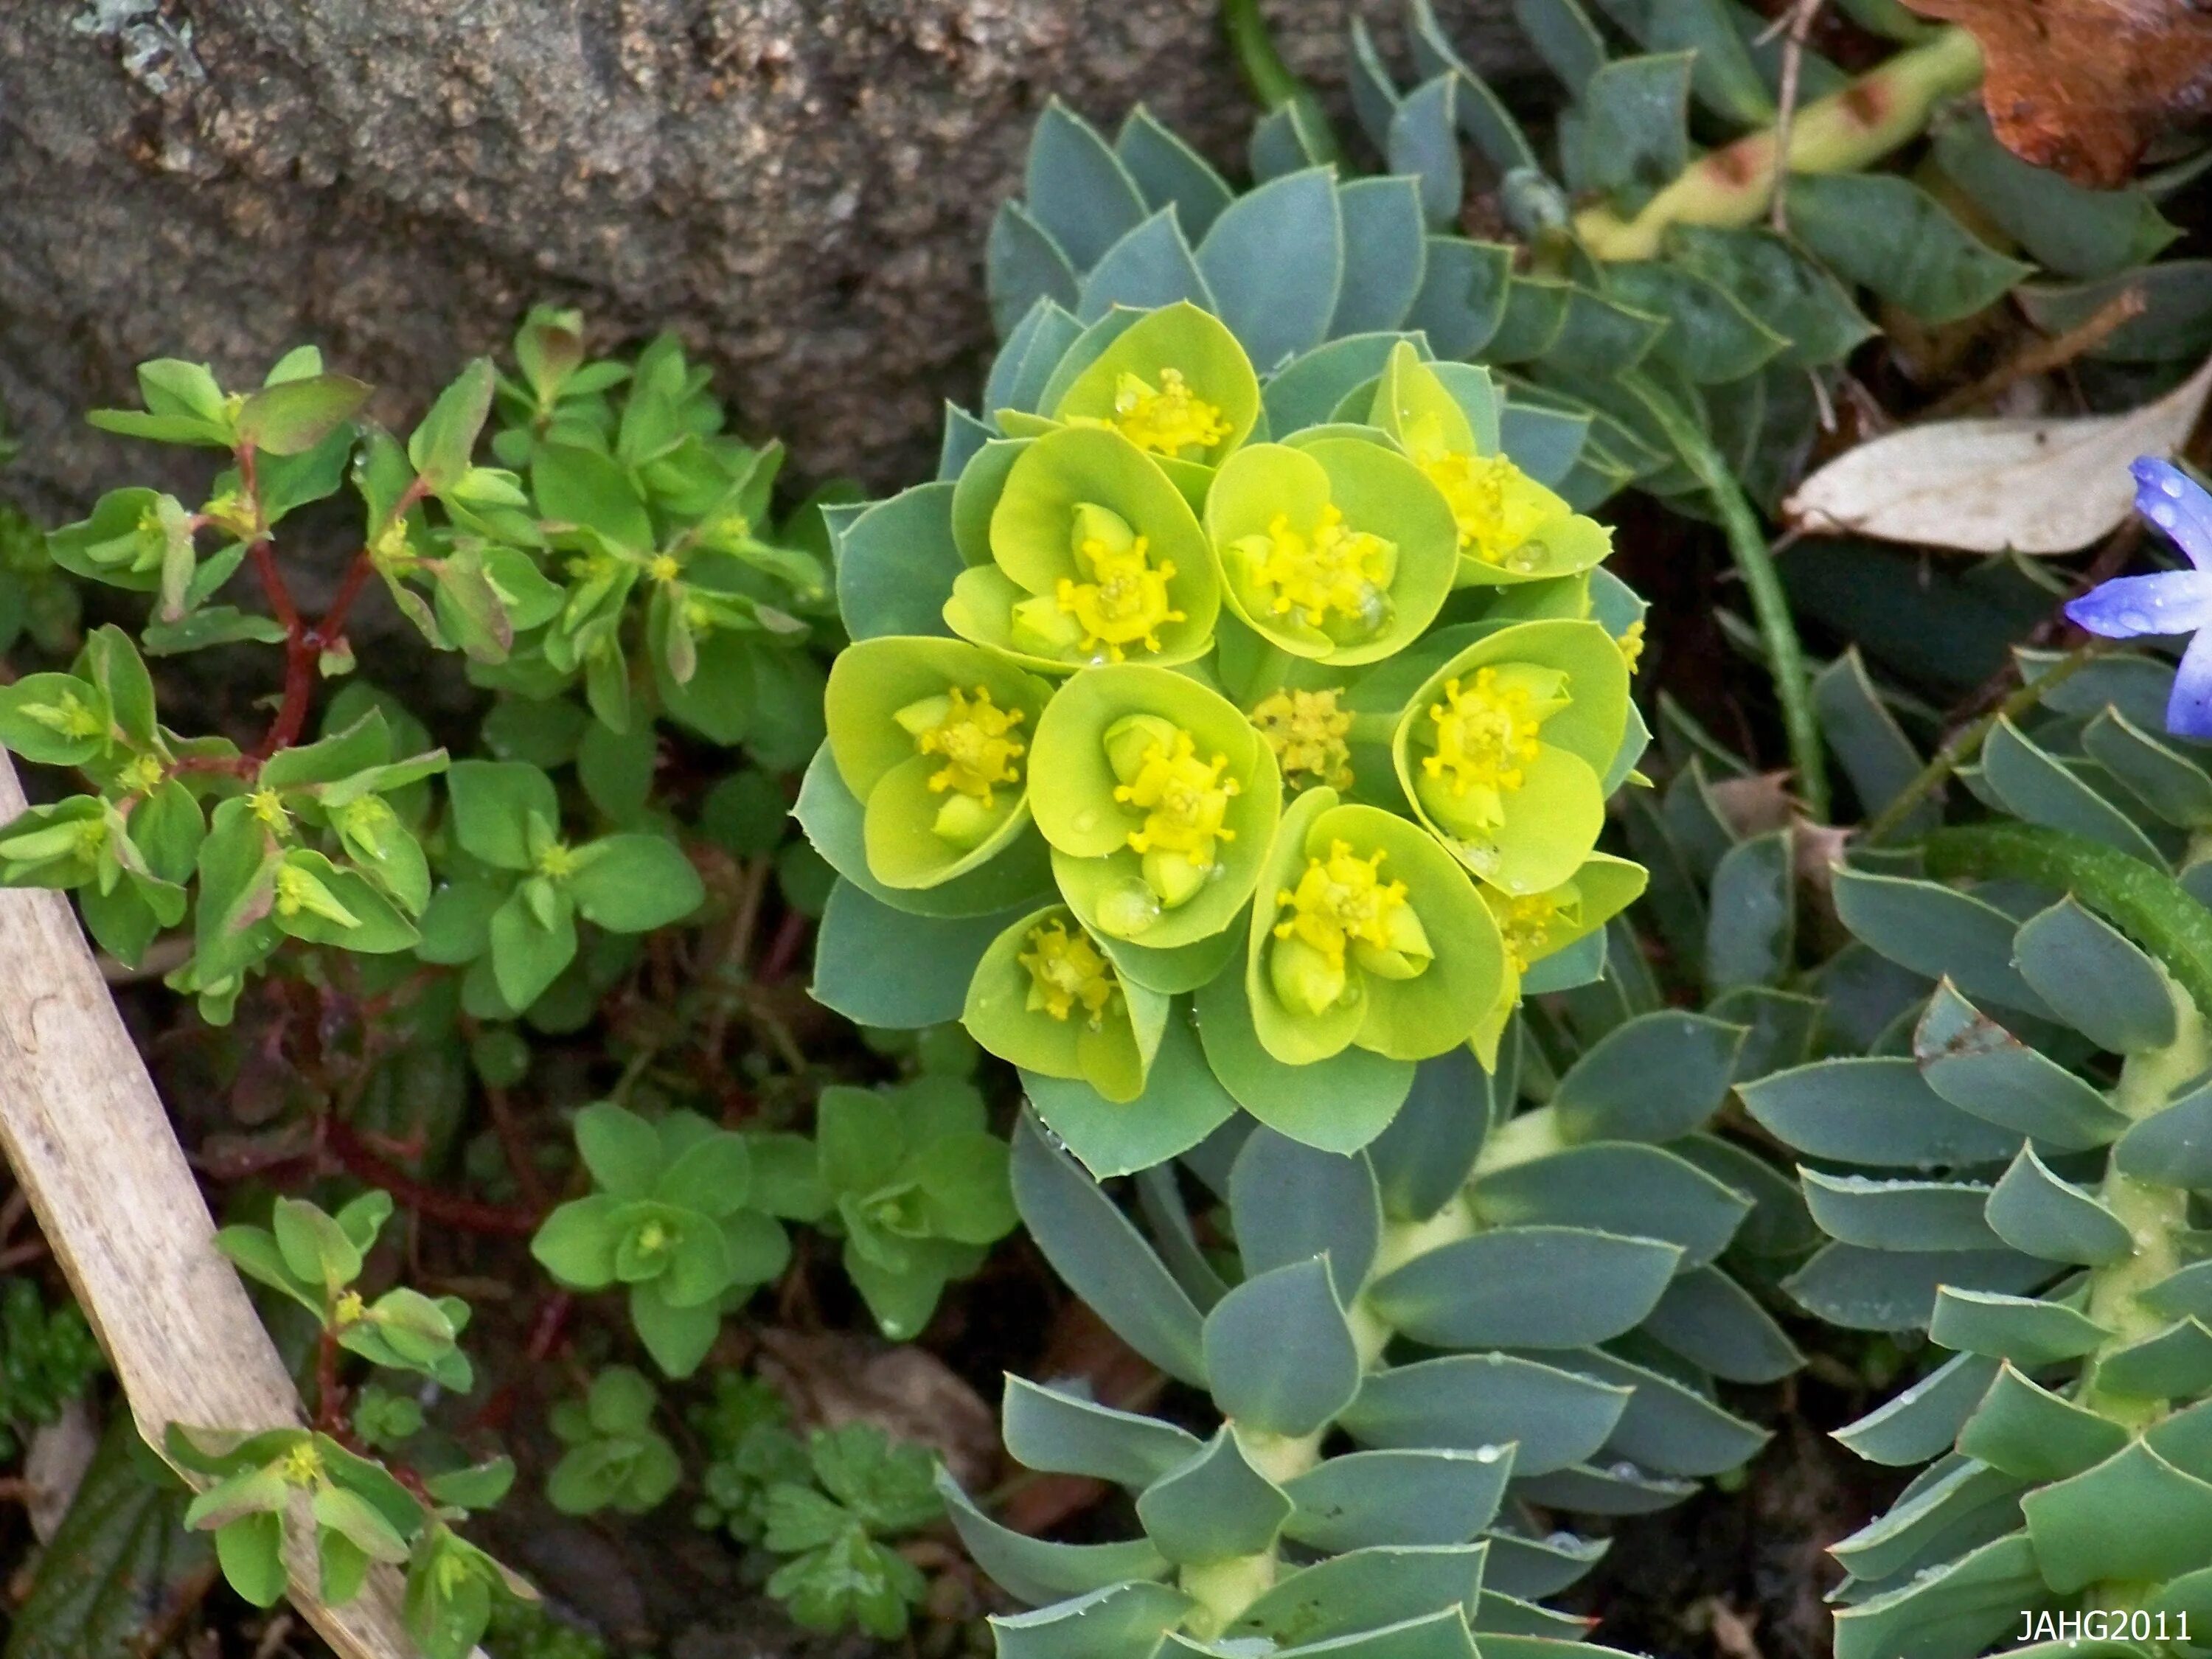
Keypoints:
(93, 1148)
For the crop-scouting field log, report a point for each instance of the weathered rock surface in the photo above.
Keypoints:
(800, 186)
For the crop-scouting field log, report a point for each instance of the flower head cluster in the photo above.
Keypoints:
(1238, 776)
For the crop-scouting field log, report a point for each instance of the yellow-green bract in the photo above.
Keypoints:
(1258, 765)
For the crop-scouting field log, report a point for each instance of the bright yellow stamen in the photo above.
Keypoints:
(1631, 645)
(1486, 736)
(1068, 970)
(228, 512)
(557, 861)
(651, 1237)
(1125, 601)
(144, 773)
(1340, 900)
(302, 1466)
(269, 807)
(1526, 926)
(349, 1309)
(1184, 798)
(1169, 421)
(664, 567)
(1328, 572)
(70, 716)
(976, 740)
(1496, 515)
(1307, 733)
(297, 890)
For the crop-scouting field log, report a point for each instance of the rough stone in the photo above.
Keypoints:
(800, 187)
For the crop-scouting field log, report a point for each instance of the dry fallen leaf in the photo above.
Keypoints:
(1993, 486)
(2083, 86)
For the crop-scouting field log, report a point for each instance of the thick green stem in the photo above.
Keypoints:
(1840, 133)
(1274, 81)
(2150, 907)
(1770, 606)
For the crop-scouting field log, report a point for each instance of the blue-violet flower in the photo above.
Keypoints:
(2171, 601)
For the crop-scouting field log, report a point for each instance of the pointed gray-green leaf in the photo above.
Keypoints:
(2094, 979)
(2185, 1439)
(2029, 1333)
(1122, 1621)
(1900, 1215)
(1482, 116)
(1422, 1160)
(1533, 1568)
(1104, 1259)
(1599, 335)
(1667, 1428)
(1633, 137)
(1473, 1294)
(1275, 262)
(2033, 784)
(1363, 1499)
(2185, 1292)
(2164, 779)
(1212, 1507)
(2174, 1364)
(1024, 367)
(1717, 1325)
(1954, 1496)
(1786, 289)
(1980, 1067)
(1289, 1201)
(896, 563)
(1181, 1103)
(880, 966)
(1463, 294)
(1437, 1635)
(1524, 1630)
(1751, 918)
(1864, 1290)
(1170, 173)
(1564, 37)
(2035, 1211)
(1422, 145)
(1493, 1406)
(1727, 82)
(1876, 754)
(1875, 1111)
(1617, 1187)
(1655, 1077)
(1309, 389)
(1280, 1357)
(1926, 1416)
(1167, 1218)
(2029, 1432)
(1711, 338)
(1363, 1590)
(1778, 1225)
(1885, 232)
(1151, 266)
(1035, 1570)
(1024, 265)
(1938, 931)
(1953, 1611)
(1618, 1488)
(1061, 1433)
(2132, 1518)
(1542, 441)
(2074, 230)
(2172, 1147)
(1076, 189)
(1385, 255)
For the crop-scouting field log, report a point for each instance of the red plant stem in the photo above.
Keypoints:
(331, 629)
(326, 1381)
(783, 949)
(358, 1158)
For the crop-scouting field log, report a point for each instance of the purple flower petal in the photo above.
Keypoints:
(2189, 710)
(2171, 602)
(2176, 504)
